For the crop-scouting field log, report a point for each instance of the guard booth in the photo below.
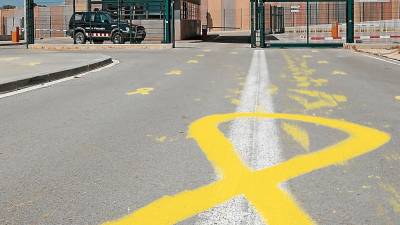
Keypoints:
(307, 23)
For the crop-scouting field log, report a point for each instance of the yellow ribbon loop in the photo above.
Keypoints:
(261, 187)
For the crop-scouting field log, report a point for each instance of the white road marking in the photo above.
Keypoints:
(257, 142)
(44, 85)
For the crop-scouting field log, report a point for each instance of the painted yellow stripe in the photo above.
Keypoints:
(298, 134)
(192, 61)
(141, 91)
(261, 188)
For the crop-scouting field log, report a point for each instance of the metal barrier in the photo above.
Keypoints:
(306, 23)
(51, 20)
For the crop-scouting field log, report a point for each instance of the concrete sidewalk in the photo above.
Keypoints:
(20, 68)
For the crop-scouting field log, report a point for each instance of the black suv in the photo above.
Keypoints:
(100, 26)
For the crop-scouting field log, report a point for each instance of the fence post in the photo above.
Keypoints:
(89, 5)
(73, 20)
(241, 18)
(350, 21)
(50, 24)
(262, 24)
(308, 22)
(252, 24)
(173, 23)
(167, 22)
(30, 25)
(224, 19)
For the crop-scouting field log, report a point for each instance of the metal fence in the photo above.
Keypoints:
(52, 19)
(373, 21)
(377, 21)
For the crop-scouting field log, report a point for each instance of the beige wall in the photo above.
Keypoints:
(81, 5)
(240, 14)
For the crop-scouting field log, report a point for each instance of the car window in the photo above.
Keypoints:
(97, 18)
(104, 18)
(89, 17)
(78, 17)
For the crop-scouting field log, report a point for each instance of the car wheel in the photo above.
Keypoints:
(80, 38)
(117, 39)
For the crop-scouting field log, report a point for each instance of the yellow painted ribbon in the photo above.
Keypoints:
(261, 187)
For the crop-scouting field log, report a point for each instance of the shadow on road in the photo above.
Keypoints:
(229, 38)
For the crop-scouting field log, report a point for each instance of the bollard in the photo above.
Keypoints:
(204, 32)
(15, 35)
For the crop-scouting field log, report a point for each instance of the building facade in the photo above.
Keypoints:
(228, 15)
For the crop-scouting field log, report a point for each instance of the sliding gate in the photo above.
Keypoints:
(280, 23)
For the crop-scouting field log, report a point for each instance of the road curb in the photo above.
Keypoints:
(370, 46)
(44, 78)
(59, 47)
(11, 44)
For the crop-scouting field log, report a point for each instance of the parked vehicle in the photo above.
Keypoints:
(99, 26)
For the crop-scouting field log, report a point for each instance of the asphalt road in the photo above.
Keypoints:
(111, 143)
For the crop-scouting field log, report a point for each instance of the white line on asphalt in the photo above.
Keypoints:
(44, 85)
(380, 58)
(256, 142)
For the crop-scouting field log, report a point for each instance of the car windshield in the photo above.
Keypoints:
(108, 17)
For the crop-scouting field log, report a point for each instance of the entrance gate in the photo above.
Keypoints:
(301, 23)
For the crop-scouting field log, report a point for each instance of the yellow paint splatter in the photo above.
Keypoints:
(141, 91)
(261, 188)
(31, 64)
(394, 198)
(235, 101)
(260, 108)
(312, 100)
(307, 56)
(235, 91)
(161, 139)
(298, 134)
(207, 50)
(9, 59)
(323, 62)
(272, 89)
(176, 72)
(192, 61)
(200, 55)
(397, 97)
(338, 72)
